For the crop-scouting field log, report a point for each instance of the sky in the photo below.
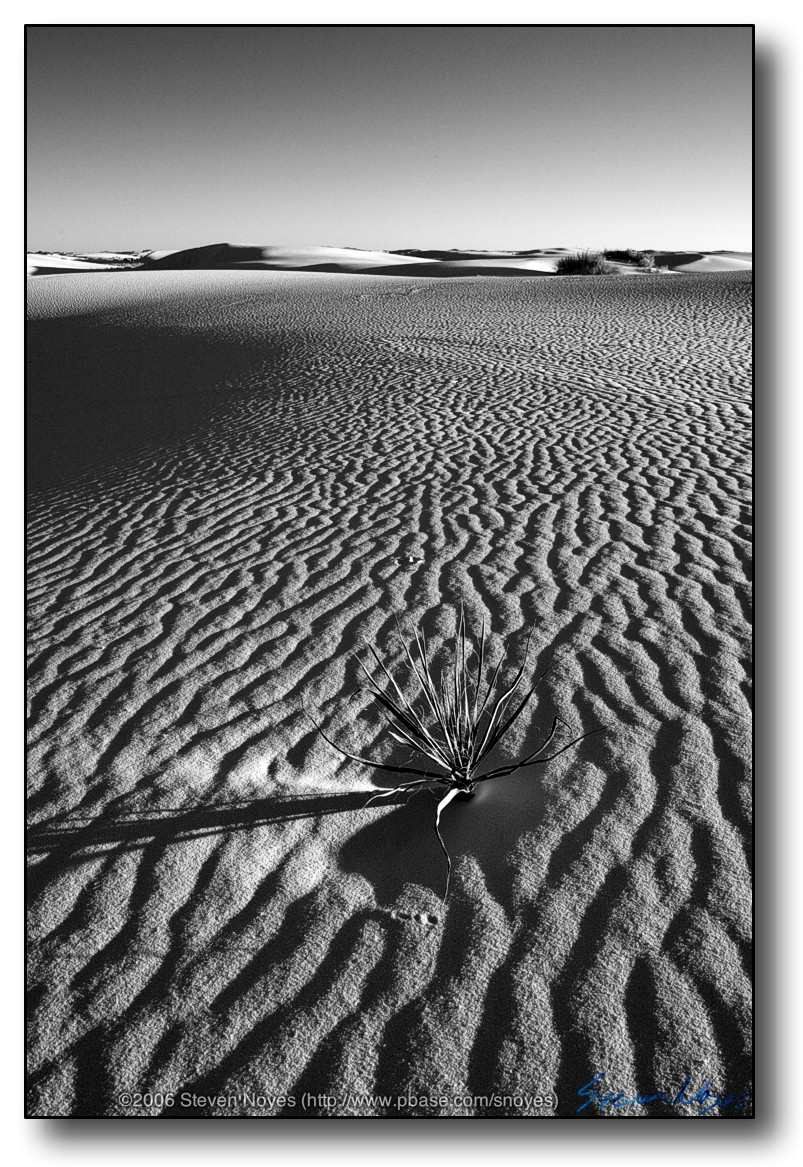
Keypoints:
(149, 137)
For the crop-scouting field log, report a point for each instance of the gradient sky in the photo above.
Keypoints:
(510, 138)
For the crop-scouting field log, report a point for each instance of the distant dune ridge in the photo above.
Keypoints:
(227, 256)
(238, 475)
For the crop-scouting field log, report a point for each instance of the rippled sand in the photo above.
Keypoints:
(238, 478)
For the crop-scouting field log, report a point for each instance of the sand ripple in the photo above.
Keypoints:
(238, 478)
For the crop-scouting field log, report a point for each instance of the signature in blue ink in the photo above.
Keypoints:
(700, 1103)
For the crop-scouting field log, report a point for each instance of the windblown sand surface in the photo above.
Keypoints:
(237, 478)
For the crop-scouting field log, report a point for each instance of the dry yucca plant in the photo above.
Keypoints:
(461, 721)
(585, 263)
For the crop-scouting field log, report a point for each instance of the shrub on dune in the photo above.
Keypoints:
(461, 721)
(585, 263)
(623, 255)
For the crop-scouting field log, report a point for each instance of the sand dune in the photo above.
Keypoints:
(430, 264)
(237, 477)
(696, 261)
(49, 265)
(416, 263)
(226, 256)
(343, 259)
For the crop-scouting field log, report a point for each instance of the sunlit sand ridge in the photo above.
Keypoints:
(231, 257)
(238, 478)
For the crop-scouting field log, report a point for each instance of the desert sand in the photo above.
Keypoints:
(55, 264)
(237, 478)
(235, 257)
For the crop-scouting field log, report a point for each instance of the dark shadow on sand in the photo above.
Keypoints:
(98, 395)
(89, 836)
(394, 849)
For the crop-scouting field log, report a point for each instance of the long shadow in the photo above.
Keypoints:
(66, 840)
(98, 393)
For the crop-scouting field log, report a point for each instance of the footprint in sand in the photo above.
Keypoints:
(425, 919)
(396, 563)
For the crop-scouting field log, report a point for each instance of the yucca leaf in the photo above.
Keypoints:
(410, 718)
(504, 726)
(369, 762)
(540, 749)
(425, 743)
(480, 668)
(395, 717)
(488, 738)
(404, 788)
(444, 802)
(425, 678)
(405, 740)
(389, 676)
(456, 670)
(533, 759)
(491, 685)
(491, 735)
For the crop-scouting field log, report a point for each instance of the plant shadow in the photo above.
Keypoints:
(401, 846)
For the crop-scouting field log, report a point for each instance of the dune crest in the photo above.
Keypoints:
(411, 263)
